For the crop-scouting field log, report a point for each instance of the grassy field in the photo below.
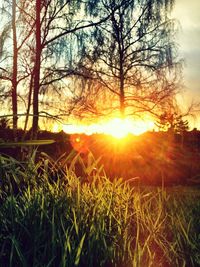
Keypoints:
(51, 217)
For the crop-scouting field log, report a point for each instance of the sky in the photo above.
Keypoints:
(187, 12)
(188, 39)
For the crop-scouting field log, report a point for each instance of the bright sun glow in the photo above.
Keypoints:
(120, 128)
(116, 127)
(56, 128)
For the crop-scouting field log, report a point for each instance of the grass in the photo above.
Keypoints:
(51, 217)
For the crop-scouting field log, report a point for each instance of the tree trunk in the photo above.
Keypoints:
(28, 106)
(121, 84)
(37, 66)
(120, 40)
(122, 98)
(14, 71)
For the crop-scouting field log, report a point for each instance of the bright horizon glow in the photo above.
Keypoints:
(117, 127)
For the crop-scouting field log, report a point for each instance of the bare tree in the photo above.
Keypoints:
(13, 71)
(54, 21)
(131, 57)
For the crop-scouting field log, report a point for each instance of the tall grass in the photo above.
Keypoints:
(49, 216)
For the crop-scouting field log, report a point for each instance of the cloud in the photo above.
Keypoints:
(187, 12)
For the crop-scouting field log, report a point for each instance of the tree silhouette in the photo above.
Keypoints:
(54, 21)
(14, 70)
(172, 122)
(131, 57)
(119, 55)
(4, 123)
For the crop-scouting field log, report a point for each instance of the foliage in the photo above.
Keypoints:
(4, 123)
(55, 218)
(172, 122)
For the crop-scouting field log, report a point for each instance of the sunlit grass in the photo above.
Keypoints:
(49, 216)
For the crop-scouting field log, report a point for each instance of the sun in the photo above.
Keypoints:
(116, 127)
(120, 128)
